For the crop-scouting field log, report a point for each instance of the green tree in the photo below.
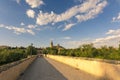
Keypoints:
(10, 55)
(31, 50)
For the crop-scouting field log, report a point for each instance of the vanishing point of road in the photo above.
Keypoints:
(44, 68)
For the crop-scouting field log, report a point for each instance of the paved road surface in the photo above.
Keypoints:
(48, 69)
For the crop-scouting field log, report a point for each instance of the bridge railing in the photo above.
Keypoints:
(11, 71)
(102, 69)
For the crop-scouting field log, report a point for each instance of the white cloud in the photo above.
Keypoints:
(30, 13)
(92, 13)
(17, 30)
(68, 26)
(113, 35)
(75, 44)
(89, 9)
(30, 31)
(1, 25)
(45, 18)
(67, 37)
(110, 40)
(116, 19)
(22, 24)
(34, 3)
(113, 31)
(18, 1)
(31, 26)
(60, 26)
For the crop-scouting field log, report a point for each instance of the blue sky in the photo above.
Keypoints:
(70, 23)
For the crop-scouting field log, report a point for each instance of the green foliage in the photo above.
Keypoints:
(44, 51)
(53, 51)
(31, 50)
(87, 50)
(62, 52)
(11, 54)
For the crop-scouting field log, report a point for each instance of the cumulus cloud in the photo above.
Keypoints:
(89, 9)
(108, 38)
(31, 26)
(30, 31)
(116, 19)
(22, 24)
(91, 13)
(17, 30)
(1, 25)
(112, 39)
(113, 35)
(67, 37)
(75, 44)
(109, 41)
(30, 13)
(45, 18)
(68, 26)
(34, 3)
(113, 31)
(18, 1)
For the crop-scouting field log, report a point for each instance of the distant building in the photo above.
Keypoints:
(51, 44)
(57, 46)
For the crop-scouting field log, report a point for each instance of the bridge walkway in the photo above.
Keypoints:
(47, 69)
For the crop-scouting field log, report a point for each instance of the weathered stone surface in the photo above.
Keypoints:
(103, 69)
(48, 69)
(13, 70)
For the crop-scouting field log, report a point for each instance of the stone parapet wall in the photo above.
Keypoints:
(13, 70)
(103, 69)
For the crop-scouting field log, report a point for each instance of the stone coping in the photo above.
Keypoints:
(101, 60)
(94, 59)
(9, 65)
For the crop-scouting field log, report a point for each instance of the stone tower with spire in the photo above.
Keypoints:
(51, 44)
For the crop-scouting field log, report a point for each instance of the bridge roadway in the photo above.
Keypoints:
(47, 69)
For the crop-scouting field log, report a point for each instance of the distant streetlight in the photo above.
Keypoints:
(31, 48)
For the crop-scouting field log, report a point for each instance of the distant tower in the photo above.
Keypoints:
(51, 44)
(58, 45)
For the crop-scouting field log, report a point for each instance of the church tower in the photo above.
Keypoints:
(58, 45)
(51, 44)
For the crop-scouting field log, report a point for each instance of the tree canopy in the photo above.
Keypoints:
(87, 50)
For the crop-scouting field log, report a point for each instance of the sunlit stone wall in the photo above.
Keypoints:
(103, 69)
(13, 70)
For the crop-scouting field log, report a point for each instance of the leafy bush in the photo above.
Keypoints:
(87, 50)
(8, 55)
(31, 50)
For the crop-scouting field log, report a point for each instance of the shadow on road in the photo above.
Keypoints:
(41, 69)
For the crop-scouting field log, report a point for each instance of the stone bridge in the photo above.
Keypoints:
(63, 68)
